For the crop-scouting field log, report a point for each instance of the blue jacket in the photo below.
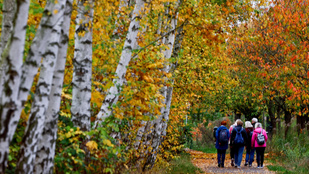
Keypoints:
(224, 147)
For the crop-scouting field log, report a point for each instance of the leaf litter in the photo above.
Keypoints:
(207, 162)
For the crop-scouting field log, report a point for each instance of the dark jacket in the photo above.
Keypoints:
(225, 146)
(248, 130)
(243, 133)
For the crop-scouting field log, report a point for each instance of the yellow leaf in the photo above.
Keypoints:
(108, 143)
(169, 75)
(92, 145)
(68, 135)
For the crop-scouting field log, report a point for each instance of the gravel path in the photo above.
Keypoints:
(207, 162)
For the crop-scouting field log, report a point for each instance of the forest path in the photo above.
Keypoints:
(207, 162)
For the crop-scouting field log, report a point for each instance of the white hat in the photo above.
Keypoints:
(255, 120)
(258, 125)
(248, 124)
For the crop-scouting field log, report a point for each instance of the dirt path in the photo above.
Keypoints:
(207, 162)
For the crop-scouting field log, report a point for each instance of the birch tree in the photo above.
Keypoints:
(126, 55)
(82, 63)
(160, 124)
(28, 149)
(13, 56)
(44, 161)
(8, 11)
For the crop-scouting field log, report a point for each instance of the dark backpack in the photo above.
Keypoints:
(250, 134)
(223, 137)
(239, 139)
(260, 138)
(214, 132)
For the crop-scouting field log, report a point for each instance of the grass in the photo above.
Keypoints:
(183, 165)
(205, 149)
(278, 169)
(290, 154)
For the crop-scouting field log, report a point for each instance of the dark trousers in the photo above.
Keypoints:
(221, 156)
(260, 155)
(232, 152)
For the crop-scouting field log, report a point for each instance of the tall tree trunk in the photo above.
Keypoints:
(8, 13)
(272, 116)
(82, 63)
(9, 103)
(287, 119)
(36, 119)
(160, 124)
(44, 161)
(126, 55)
(307, 123)
(298, 123)
(278, 120)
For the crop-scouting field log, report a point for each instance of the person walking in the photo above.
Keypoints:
(249, 149)
(258, 140)
(222, 139)
(232, 154)
(253, 121)
(239, 139)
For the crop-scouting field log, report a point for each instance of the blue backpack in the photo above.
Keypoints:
(223, 137)
(239, 139)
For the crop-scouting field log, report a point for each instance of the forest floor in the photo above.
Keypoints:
(207, 162)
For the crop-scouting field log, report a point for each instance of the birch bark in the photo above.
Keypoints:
(126, 55)
(44, 161)
(160, 124)
(8, 11)
(36, 120)
(82, 63)
(13, 56)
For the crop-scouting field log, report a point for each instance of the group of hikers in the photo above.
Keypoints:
(253, 137)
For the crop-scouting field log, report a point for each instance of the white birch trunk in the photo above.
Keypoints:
(126, 55)
(82, 63)
(160, 124)
(8, 12)
(36, 119)
(13, 55)
(44, 161)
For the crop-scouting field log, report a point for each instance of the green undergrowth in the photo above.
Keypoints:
(290, 154)
(183, 165)
(278, 169)
(206, 148)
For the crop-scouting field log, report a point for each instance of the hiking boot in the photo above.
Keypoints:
(219, 165)
(232, 162)
(246, 163)
(250, 165)
(238, 167)
(222, 165)
(261, 167)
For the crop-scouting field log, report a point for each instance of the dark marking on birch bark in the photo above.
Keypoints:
(135, 28)
(128, 47)
(87, 42)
